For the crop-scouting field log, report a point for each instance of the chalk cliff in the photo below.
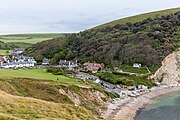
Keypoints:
(169, 72)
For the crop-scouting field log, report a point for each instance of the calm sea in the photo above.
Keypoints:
(163, 108)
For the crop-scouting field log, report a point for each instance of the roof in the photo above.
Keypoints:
(45, 60)
(22, 57)
(17, 63)
(19, 49)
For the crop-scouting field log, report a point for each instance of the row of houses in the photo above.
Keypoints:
(121, 90)
(70, 65)
(84, 76)
(17, 65)
(21, 58)
(75, 66)
(93, 67)
(88, 66)
(16, 61)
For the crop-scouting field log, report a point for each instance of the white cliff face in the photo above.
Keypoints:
(169, 72)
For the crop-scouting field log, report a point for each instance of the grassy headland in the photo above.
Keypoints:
(29, 38)
(141, 17)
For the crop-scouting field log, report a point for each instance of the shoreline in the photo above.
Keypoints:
(130, 110)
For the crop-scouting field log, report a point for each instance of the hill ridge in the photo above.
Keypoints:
(135, 18)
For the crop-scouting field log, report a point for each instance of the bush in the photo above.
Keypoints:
(125, 79)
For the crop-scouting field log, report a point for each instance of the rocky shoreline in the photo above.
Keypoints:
(128, 108)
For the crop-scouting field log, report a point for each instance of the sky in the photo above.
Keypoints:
(67, 16)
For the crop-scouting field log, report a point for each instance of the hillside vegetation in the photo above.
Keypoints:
(38, 99)
(146, 42)
(16, 108)
(47, 49)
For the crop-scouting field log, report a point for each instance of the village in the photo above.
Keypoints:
(86, 71)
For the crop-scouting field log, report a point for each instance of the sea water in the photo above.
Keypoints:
(166, 107)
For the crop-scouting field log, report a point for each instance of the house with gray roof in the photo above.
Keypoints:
(16, 65)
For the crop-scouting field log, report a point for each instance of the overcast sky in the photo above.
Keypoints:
(32, 16)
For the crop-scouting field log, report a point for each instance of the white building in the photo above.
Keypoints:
(71, 65)
(137, 65)
(45, 61)
(25, 59)
(18, 50)
(17, 65)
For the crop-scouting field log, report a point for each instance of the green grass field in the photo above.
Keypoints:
(131, 69)
(20, 44)
(29, 38)
(24, 40)
(141, 17)
(3, 52)
(35, 74)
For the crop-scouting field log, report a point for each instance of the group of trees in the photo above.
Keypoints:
(146, 42)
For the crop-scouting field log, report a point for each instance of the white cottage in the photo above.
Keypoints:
(137, 65)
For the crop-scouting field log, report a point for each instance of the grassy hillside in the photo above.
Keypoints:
(141, 17)
(11, 45)
(5, 52)
(19, 44)
(29, 38)
(9, 42)
(16, 107)
(39, 99)
(36, 74)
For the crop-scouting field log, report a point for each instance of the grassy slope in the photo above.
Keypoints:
(29, 91)
(20, 44)
(36, 74)
(139, 18)
(16, 107)
(131, 69)
(29, 38)
(3, 52)
(25, 40)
